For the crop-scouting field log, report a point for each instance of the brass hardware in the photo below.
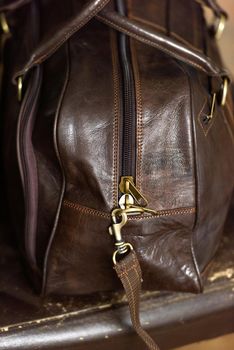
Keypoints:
(127, 186)
(20, 88)
(220, 26)
(116, 252)
(4, 25)
(132, 198)
(115, 230)
(126, 201)
(224, 92)
(210, 116)
(129, 205)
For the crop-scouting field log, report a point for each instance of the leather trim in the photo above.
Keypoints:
(197, 193)
(62, 169)
(193, 130)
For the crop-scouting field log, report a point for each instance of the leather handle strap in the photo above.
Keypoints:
(129, 271)
(52, 44)
(132, 28)
(162, 42)
(213, 5)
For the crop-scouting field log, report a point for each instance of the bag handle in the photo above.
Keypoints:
(48, 47)
(212, 4)
(170, 46)
(130, 27)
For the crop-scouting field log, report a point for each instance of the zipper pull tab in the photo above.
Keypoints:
(127, 186)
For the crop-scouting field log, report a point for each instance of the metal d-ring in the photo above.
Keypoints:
(220, 26)
(127, 247)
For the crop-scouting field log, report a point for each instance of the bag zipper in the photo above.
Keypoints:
(131, 196)
(128, 160)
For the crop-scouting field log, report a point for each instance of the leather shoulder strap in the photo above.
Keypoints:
(52, 44)
(132, 28)
(129, 272)
(212, 4)
(162, 42)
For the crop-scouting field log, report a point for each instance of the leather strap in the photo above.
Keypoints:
(212, 4)
(129, 271)
(51, 45)
(138, 31)
(162, 42)
(9, 5)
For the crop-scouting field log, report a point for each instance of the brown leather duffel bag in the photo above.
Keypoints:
(122, 135)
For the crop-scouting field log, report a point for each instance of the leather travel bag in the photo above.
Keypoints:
(118, 143)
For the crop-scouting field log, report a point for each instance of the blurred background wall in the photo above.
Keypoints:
(227, 40)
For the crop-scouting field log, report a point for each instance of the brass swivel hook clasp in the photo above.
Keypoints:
(119, 219)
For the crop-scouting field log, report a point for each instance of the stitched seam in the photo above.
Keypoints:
(199, 116)
(85, 209)
(125, 270)
(206, 130)
(139, 274)
(152, 43)
(69, 33)
(162, 213)
(115, 122)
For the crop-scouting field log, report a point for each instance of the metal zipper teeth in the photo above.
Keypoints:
(128, 151)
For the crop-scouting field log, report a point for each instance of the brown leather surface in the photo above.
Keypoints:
(102, 321)
(72, 255)
(76, 144)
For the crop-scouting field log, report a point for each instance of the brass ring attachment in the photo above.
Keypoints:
(128, 246)
(224, 92)
(219, 28)
(4, 25)
(20, 88)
